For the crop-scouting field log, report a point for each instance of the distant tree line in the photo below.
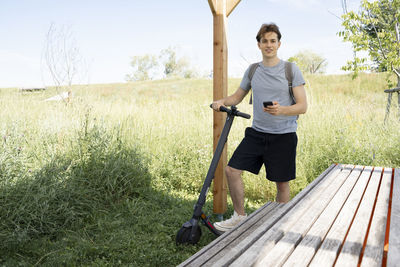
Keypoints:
(147, 67)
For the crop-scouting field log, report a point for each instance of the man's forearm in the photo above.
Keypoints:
(235, 98)
(231, 100)
(293, 110)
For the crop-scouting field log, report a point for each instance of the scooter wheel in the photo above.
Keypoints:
(183, 236)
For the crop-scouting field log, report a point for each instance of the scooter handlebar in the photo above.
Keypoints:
(224, 109)
(233, 111)
(243, 115)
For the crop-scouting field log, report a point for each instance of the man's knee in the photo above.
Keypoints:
(232, 172)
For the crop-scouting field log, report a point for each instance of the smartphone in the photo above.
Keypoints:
(268, 103)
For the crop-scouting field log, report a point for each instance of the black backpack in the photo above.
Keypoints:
(288, 74)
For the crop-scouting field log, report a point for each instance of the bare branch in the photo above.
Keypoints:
(344, 6)
(396, 71)
(244, 58)
(333, 14)
(319, 65)
(397, 37)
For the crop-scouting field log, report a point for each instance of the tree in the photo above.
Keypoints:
(374, 29)
(309, 62)
(174, 66)
(63, 59)
(143, 65)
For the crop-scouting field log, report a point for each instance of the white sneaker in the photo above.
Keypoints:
(230, 223)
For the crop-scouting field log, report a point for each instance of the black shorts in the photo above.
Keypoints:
(276, 151)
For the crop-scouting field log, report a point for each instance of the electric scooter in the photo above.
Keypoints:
(190, 231)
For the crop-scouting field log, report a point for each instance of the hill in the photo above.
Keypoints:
(109, 178)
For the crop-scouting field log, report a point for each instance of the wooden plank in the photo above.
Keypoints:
(284, 247)
(397, 89)
(213, 4)
(305, 251)
(326, 254)
(240, 236)
(209, 251)
(351, 250)
(393, 258)
(261, 239)
(373, 252)
(230, 6)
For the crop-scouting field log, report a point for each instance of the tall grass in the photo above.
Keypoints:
(109, 178)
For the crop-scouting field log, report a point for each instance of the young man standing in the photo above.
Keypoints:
(272, 139)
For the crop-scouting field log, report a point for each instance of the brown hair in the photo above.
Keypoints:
(272, 27)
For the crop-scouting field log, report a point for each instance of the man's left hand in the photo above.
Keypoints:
(275, 109)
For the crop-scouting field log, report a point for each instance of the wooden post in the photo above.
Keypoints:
(221, 10)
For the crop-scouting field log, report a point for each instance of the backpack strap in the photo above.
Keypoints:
(289, 77)
(252, 70)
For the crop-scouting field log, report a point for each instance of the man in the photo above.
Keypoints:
(272, 139)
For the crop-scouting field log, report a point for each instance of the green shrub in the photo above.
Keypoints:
(95, 173)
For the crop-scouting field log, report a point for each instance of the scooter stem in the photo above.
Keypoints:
(214, 163)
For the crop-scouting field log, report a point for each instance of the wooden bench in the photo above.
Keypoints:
(389, 101)
(347, 216)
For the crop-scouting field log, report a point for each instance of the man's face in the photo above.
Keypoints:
(269, 45)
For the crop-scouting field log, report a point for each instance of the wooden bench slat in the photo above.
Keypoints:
(239, 237)
(284, 247)
(373, 252)
(351, 249)
(305, 251)
(211, 250)
(326, 254)
(262, 240)
(393, 258)
(397, 89)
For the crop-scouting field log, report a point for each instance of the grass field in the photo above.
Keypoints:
(108, 179)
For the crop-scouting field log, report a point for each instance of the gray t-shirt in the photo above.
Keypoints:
(270, 84)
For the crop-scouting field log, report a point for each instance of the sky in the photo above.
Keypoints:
(109, 33)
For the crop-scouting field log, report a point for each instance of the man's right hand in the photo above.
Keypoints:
(217, 104)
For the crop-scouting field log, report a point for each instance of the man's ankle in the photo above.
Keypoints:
(241, 213)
